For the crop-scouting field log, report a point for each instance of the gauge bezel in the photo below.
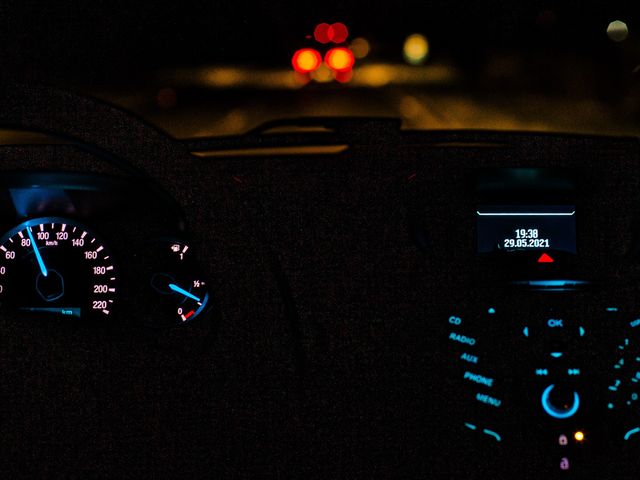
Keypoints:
(152, 269)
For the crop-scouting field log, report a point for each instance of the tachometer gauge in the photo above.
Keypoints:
(54, 266)
(177, 283)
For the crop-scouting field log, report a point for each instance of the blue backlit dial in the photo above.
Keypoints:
(54, 266)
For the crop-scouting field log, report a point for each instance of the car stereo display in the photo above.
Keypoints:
(517, 228)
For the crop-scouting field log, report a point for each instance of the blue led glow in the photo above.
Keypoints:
(491, 311)
(548, 283)
(202, 307)
(526, 331)
(462, 339)
(68, 312)
(612, 309)
(559, 285)
(477, 378)
(182, 291)
(556, 354)
(582, 332)
(32, 201)
(488, 400)
(492, 434)
(631, 432)
(555, 412)
(43, 268)
(469, 358)
(486, 431)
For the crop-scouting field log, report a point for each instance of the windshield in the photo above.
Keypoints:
(222, 68)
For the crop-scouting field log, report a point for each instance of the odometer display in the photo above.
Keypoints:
(54, 266)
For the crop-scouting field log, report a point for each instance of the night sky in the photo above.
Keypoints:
(116, 41)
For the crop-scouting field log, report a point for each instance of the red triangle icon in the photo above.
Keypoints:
(545, 258)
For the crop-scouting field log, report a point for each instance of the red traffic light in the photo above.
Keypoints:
(306, 60)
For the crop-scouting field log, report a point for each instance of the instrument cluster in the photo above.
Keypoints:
(90, 248)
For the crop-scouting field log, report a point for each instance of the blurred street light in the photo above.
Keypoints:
(416, 49)
(617, 31)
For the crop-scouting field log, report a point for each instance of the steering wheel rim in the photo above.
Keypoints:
(114, 135)
(123, 138)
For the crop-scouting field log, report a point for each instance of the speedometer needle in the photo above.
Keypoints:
(182, 291)
(43, 268)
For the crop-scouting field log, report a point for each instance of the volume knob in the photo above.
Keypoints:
(566, 411)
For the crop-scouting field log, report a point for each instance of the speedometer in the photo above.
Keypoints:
(54, 266)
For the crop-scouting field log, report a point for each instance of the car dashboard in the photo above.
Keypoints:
(318, 298)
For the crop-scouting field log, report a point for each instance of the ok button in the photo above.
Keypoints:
(555, 323)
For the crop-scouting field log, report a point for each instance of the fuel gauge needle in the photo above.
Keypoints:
(182, 291)
(43, 268)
